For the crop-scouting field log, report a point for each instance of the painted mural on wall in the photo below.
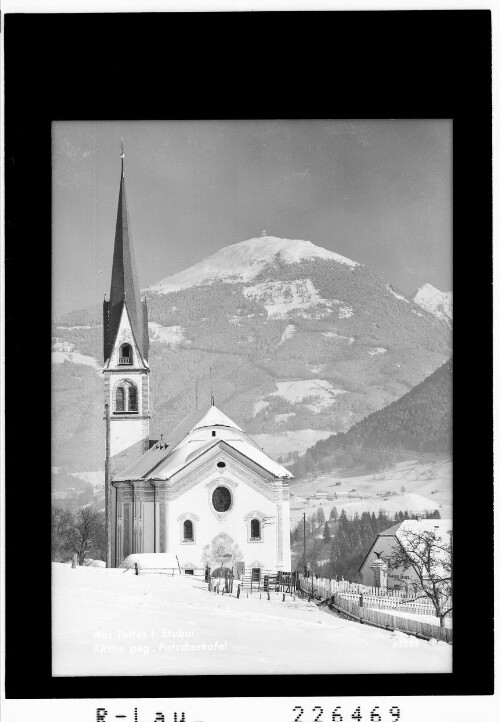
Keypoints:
(222, 553)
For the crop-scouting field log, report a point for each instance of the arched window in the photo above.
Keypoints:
(120, 399)
(188, 530)
(254, 520)
(125, 356)
(254, 529)
(132, 398)
(126, 399)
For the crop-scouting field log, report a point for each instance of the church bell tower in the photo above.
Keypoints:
(126, 347)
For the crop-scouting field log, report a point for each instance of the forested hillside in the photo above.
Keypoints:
(421, 420)
(311, 344)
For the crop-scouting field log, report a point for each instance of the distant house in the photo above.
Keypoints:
(387, 541)
(321, 494)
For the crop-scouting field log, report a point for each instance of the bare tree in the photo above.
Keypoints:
(430, 557)
(87, 533)
(61, 521)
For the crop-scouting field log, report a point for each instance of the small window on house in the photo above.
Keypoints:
(254, 529)
(213, 433)
(125, 355)
(188, 530)
(120, 399)
(256, 574)
(220, 464)
(189, 571)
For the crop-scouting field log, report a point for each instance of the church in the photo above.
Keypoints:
(205, 492)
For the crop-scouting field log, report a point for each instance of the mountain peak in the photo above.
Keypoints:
(243, 261)
(438, 303)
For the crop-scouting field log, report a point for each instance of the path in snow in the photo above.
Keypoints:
(107, 622)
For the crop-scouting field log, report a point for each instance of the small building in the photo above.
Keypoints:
(321, 494)
(386, 542)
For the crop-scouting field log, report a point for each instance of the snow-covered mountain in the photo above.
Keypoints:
(241, 262)
(293, 338)
(434, 301)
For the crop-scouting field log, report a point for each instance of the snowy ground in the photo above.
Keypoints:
(427, 485)
(63, 351)
(171, 335)
(295, 391)
(107, 622)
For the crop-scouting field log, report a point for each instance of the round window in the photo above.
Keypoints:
(221, 498)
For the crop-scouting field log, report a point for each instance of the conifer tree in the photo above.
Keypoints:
(326, 533)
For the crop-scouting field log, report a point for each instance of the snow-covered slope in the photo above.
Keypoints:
(241, 262)
(434, 301)
(107, 622)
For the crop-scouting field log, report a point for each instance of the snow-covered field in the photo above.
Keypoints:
(413, 485)
(63, 351)
(96, 478)
(111, 622)
(296, 391)
(171, 335)
(288, 333)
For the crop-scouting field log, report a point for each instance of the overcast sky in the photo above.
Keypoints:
(378, 192)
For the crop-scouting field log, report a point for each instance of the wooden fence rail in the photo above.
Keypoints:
(403, 624)
(374, 596)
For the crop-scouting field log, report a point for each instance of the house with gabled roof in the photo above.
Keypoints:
(205, 492)
(388, 540)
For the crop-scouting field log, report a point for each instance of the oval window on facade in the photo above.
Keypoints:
(221, 498)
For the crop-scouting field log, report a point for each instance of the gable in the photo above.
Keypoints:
(204, 471)
(125, 337)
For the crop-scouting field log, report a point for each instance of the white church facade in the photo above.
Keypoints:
(206, 492)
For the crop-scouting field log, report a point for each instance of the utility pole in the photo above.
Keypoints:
(305, 563)
(107, 491)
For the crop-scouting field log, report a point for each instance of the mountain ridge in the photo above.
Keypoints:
(310, 343)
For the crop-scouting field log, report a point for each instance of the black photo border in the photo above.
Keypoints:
(140, 66)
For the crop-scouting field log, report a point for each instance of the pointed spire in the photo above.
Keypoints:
(122, 156)
(124, 281)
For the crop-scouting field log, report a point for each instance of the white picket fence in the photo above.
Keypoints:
(385, 619)
(325, 588)
(373, 597)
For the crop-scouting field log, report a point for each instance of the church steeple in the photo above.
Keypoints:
(125, 289)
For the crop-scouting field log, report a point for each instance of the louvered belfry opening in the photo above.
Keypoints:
(120, 399)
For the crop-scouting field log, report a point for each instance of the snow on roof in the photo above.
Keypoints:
(196, 434)
(151, 561)
(215, 417)
(440, 527)
(403, 531)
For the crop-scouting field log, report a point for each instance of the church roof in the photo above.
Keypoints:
(124, 283)
(194, 436)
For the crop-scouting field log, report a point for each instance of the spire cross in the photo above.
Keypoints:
(122, 156)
